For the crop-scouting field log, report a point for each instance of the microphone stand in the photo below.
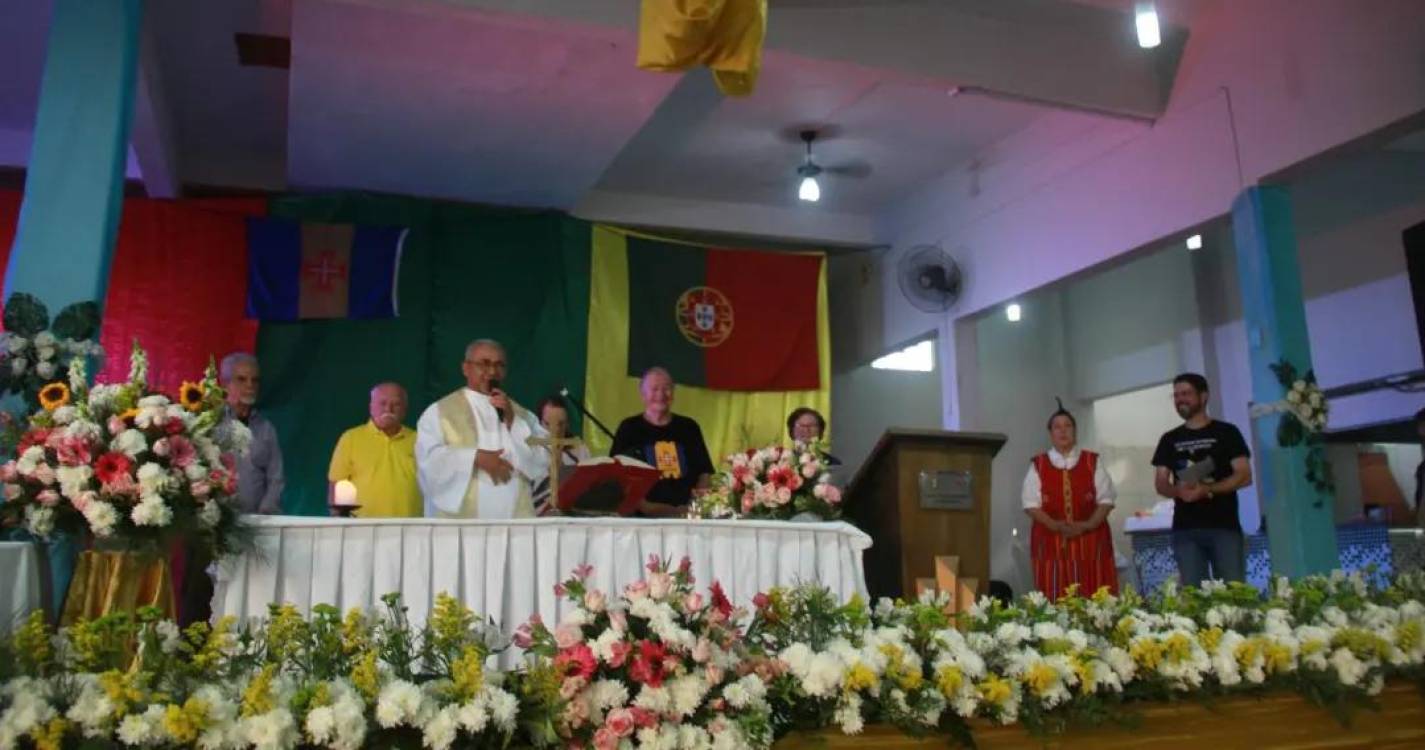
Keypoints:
(564, 391)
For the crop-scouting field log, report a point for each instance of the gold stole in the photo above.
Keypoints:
(458, 428)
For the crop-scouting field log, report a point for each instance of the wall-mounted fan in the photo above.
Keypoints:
(929, 278)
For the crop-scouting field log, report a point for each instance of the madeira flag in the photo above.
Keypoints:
(744, 334)
(302, 270)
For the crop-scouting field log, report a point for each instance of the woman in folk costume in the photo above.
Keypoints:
(1069, 495)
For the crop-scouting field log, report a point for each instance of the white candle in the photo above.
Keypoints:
(344, 493)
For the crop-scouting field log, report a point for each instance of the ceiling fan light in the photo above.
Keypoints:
(1145, 17)
(809, 191)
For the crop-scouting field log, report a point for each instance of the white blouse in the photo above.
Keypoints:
(1032, 496)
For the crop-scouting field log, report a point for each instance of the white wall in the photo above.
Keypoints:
(865, 402)
(1262, 85)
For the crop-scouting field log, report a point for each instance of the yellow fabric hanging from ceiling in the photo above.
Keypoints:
(724, 35)
(731, 420)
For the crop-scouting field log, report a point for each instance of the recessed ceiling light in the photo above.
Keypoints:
(1194, 242)
(1145, 18)
(1012, 312)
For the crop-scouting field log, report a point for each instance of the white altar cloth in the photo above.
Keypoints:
(507, 569)
(19, 583)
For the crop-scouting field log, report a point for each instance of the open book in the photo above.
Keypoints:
(606, 486)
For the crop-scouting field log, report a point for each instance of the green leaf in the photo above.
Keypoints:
(79, 321)
(25, 315)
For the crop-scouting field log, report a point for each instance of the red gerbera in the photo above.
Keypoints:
(31, 438)
(647, 666)
(720, 601)
(576, 661)
(111, 466)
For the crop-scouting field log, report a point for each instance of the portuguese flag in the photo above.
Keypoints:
(736, 320)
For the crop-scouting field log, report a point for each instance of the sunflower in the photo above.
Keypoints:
(54, 395)
(128, 414)
(190, 395)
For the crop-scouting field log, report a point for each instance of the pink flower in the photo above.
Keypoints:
(620, 721)
(721, 604)
(702, 651)
(568, 634)
(749, 501)
(653, 563)
(715, 674)
(523, 638)
(73, 452)
(644, 718)
(761, 601)
(559, 589)
(122, 484)
(636, 590)
(618, 653)
(160, 447)
(828, 492)
(618, 620)
(117, 425)
(605, 739)
(181, 451)
(576, 713)
(784, 495)
(583, 571)
(85, 499)
(111, 466)
(693, 602)
(13, 492)
(685, 566)
(577, 661)
(809, 471)
(174, 427)
(201, 488)
(8, 472)
(48, 497)
(647, 666)
(595, 601)
(44, 474)
(571, 687)
(659, 584)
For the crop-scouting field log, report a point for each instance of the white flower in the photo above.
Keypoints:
(101, 517)
(39, 520)
(151, 511)
(210, 514)
(503, 707)
(152, 478)
(18, 365)
(73, 480)
(134, 730)
(439, 733)
(130, 442)
(45, 369)
(271, 731)
(171, 637)
(399, 702)
(15, 343)
(45, 338)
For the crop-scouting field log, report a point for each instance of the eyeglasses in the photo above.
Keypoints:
(487, 364)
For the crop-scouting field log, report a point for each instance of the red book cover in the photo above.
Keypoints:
(606, 486)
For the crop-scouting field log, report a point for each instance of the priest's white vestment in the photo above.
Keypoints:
(447, 436)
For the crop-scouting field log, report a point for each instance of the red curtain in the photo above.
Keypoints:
(178, 284)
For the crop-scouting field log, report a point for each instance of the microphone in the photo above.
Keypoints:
(564, 391)
(495, 386)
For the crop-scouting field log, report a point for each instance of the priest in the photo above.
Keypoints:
(472, 458)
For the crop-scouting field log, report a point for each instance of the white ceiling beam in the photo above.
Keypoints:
(152, 134)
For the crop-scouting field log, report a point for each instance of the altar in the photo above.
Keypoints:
(507, 570)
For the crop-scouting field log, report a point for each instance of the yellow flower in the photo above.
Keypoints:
(1040, 677)
(190, 395)
(365, 677)
(995, 690)
(128, 415)
(31, 643)
(1278, 657)
(1210, 638)
(1147, 653)
(1178, 647)
(216, 642)
(257, 697)
(122, 688)
(1407, 635)
(450, 622)
(355, 635)
(286, 632)
(949, 680)
(860, 677)
(51, 735)
(468, 674)
(54, 395)
(1363, 643)
(184, 723)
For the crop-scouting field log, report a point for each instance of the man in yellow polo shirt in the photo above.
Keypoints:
(379, 457)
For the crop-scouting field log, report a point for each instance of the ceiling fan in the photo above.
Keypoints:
(809, 188)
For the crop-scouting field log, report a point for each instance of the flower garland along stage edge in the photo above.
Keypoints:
(774, 482)
(665, 664)
(126, 465)
(1305, 411)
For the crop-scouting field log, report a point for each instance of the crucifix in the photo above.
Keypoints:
(556, 447)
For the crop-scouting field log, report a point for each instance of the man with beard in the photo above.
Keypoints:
(379, 457)
(1200, 466)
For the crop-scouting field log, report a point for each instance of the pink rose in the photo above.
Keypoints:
(620, 722)
(702, 651)
(583, 571)
(13, 492)
(618, 653)
(559, 590)
(201, 488)
(644, 718)
(828, 492)
(693, 602)
(576, 713)
(809, 471)
(659, 584)
(116, 425)
(636, 590)
(595, 601)
(571, 687)
(182, 451)
(714, 674)
(44, 474)
(605, 739)
(160, 447)
(567, 635)
(523, 638)
(749, 501)
(85, 499)
(784, 496)
(48, 497)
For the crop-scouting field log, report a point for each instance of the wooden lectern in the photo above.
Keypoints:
(921, 494)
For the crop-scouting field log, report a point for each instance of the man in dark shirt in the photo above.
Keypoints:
(669, 442)
(1205, 526)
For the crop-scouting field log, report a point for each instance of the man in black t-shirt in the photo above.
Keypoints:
(669, 442)
(1205, 526)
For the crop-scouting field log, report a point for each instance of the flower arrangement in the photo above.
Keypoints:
(666, 666)
(1304, 411)
(33, 354)
(661, 666)
(774, 483)
(120, 462)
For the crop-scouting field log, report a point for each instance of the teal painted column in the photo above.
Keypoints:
(1300, 519)
(75, 179)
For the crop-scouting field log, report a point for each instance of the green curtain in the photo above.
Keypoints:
(466, 272)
